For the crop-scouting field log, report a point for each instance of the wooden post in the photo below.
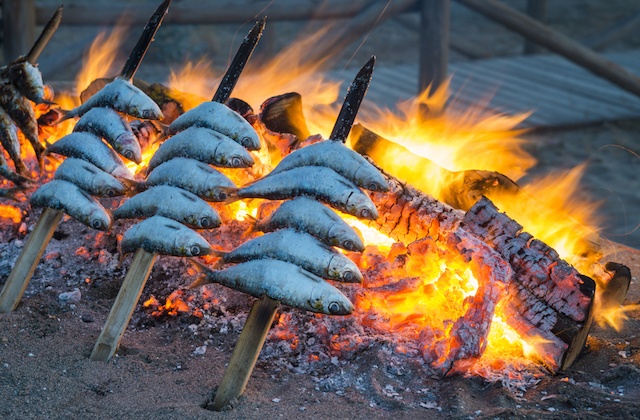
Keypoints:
(434, 43)
(28, 260)
(536, 9)
(123, 307)
(19, 27)
(556, 42)
(246, 352)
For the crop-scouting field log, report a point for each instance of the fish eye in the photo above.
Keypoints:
(205, 222)
(194, 250)
(246, 142)
(334, 308)
(365, 213)
(148, 114)
(128, 154)
(222, 195)
(110, 192)
(372, 186)
(236, 161)
(347, 244)
(96, 224)
(348, 276)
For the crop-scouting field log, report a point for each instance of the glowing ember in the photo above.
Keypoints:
(9, 212)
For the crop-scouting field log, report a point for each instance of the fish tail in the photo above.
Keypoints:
(64, 115)
(15, 177)
(21, 168)
(10, 193)
(203, 277)
(133, 187)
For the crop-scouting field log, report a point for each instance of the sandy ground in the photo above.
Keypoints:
(159, 371)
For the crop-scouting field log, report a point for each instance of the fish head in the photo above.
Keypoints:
(190, 244)
(361, 206)
(371, 179)
(249, 138)
(128, 146)
(233, 156)
(216, 194)
(329, 300)
(343, 269)
(206, 219)
(151, 113)
(27, 78)
(109, 187)
(122, 172)
(99, 219)
(345, 238)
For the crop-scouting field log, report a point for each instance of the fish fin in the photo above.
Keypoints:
(202, 277)
(65, 115)
(231, 193)
(134, 187)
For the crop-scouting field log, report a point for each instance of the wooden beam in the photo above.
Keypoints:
(556, 42)
(19, 27)
(434, 43)
(194, 12)
(536, 9)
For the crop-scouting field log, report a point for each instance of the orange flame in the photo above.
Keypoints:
(10, 212)
(99, 61)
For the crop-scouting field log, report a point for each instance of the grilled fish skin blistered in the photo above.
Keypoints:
(11, 143)
(21, 112)
(307, 215)
(28, 80)
(300, 249)
(91, 148)
(121, 96)
(63, 195)
(193, 176)
(220, 118)
(281, 281)
(205, 145)
(164, 236)
(90, 178)
(108, 124)
(335, 155)
(172, 202)
(6, 172)
(316, 181)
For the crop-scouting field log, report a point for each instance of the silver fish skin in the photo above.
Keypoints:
(319, 182)
(63, 195)
(10, 142)
(335, 155)
(89, 147)
(300, 249)
(172, 202)
(21, 112)
(205, 145)
(121, 96)
(164, 236)
(108, 124)
(194, 176)
(220, 118)
(307, 215)
(90, 178)
(282, 281)
(28, 80)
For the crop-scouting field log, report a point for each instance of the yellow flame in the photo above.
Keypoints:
(101, 56)
(10, 212)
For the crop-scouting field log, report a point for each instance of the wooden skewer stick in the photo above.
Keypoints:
(47, 32)
(28, 260)
(123, 307)
(246, 352)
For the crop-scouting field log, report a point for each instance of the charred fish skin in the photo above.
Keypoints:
(194, 176)
(90, 178)
(205, 145)
(87, 146)
(22, 113)
(121, 96)
(6, 172)
(306, 215)
(220, 118)
(282, 281)
(63, 195)
(10, 142)
(300, 249)
(335, 155)
(28, 80)
(164, 236)
(171, 202)
(108, 124)
(316, 181)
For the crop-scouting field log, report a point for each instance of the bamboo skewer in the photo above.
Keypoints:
(28, 260)
(123, 307)
(246, 352)
(47, 32)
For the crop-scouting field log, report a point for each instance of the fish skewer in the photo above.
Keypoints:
(306, 215)
(90, 178)
(318, 182)
(11, 143)
(12, 176)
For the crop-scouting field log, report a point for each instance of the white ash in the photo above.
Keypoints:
(73, 296)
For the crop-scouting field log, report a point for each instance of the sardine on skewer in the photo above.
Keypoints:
(12, 176)
(11, 143)
(306, 215)
(205, 145)
(90, 178)
(220, 118)
(91, 148)
(172, 202)
(194, 176)
(108, 124)
(319, 182)
(335, 155)
(63, 195)
(281, 281)
(300, 249)
(28, 80)
(164, 236)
